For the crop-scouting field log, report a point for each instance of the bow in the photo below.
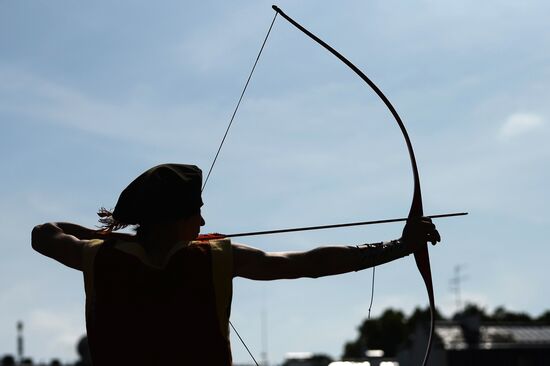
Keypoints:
(416, 211)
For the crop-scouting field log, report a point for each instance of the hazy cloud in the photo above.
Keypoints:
(49, 101)
(519, 124)
(59, 328)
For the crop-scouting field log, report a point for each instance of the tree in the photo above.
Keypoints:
(471, 310)
(502, 315)
(8, 360)
(421, 316)
(544, 318)
(386, 332)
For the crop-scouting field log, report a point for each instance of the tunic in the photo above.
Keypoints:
(174, 314)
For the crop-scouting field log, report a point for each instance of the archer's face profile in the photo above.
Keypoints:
(190, 227)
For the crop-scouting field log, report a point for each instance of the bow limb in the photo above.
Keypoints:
(421, 256)
(422, 259)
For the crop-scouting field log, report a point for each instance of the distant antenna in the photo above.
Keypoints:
(456, 282)
(20, 340)
(265, 361)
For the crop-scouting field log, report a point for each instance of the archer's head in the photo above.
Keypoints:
(164, 194)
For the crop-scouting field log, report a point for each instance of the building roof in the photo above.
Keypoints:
(452, 336)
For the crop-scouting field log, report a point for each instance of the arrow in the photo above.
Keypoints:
(333, 226)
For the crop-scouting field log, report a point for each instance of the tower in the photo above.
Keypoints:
(20, 340)
(456, 282)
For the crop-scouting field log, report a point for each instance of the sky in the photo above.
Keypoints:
(94, 93)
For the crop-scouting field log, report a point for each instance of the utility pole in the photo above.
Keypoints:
(456, 282)
(20, 353)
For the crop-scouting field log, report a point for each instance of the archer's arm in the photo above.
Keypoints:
(63, 242)
(256, 264)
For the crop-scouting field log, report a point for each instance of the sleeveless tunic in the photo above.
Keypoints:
(175, 314)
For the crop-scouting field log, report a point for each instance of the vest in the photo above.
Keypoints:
(175, 314)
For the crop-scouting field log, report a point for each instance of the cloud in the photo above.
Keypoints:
(43, 100)
(60, 330)
(519, 124)
(51, 330)
(227, 38)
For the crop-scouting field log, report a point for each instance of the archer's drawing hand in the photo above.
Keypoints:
(419, 231)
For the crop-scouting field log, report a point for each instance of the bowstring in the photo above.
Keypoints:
(238, 103)
(218, 153)
(244, 344)
(371, 292)
(223, 140)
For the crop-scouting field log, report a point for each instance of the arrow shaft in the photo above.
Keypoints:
(333, 226)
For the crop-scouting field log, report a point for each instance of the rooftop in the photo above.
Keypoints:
(491, 336)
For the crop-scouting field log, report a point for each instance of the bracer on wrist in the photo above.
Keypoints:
(376, 254)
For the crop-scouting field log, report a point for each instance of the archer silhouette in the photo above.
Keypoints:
(163, 295)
